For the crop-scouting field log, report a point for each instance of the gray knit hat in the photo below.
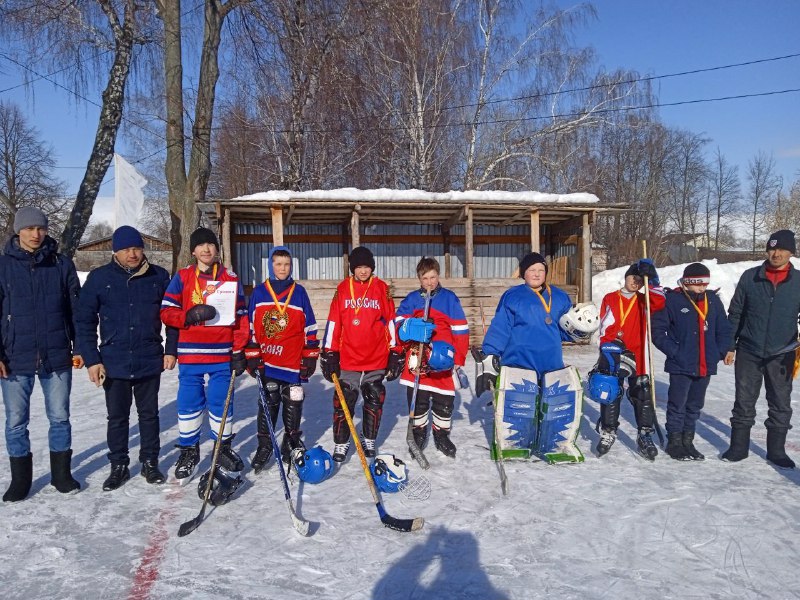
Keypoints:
(28, 216)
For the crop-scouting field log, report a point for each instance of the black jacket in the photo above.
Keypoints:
(38, 296)
(763, 317)
(126, 305)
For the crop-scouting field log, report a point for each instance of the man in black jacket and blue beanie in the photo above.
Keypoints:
(764, 315)
(38, 295)
(124, 298)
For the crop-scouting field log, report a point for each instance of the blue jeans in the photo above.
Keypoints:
(17, 391)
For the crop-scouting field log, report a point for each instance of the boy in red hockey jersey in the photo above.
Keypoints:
(622, 321)
(446, 349)
(285, 330)
(359, 334)
(204, 349)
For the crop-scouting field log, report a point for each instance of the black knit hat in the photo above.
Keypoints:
(696, 274)
(783, 239)
(361, 257)
(202, 235)
(633, 270)
(531, 259)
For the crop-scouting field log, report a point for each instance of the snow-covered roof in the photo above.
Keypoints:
(418, 196)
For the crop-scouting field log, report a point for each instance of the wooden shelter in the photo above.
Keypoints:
(461, 225)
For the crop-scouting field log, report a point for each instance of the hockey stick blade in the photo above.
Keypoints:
(405, 525)
(191, 525)
(301, 525)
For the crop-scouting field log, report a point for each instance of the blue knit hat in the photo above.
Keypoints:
(126, 237)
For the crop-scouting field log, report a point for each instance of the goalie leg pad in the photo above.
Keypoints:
(560, 409)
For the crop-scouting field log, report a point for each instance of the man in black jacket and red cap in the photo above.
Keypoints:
(763, 315)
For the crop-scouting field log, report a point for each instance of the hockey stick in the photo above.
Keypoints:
(388, 520)
(301, 525)
(499, 450)
(190, 526)
(649, 349)
(416, 451)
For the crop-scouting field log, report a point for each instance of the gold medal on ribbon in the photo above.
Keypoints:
(357, 304)
(547, 305)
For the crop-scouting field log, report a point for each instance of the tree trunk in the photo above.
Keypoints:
(107, 128)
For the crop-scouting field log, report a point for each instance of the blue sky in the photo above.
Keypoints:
(653, 37)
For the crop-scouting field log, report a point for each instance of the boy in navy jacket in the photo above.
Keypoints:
(693, 332)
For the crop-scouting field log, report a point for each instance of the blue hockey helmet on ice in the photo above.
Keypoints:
(313, 465)
(603, 388)
(442, 356)
(389, 472)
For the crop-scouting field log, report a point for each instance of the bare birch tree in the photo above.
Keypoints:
(764, 185)
(724, 195)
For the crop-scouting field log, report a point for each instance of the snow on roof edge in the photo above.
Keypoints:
(392, 195)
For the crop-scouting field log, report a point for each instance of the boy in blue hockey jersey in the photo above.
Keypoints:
(449, 340)
(285, 331)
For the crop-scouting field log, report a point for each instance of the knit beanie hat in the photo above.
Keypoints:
(126, 237)
(696, 274)
(531, 259)
(28, 216)
(783, 239)
(202, 235)
(361, 257)
(633, 270)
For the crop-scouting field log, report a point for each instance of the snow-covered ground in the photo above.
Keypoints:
(616, 527)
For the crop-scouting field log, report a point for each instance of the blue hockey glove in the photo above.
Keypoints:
(647, 268)
(416, 329)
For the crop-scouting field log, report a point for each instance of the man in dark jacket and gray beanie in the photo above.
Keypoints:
(124, 297)
(38, 295)
(764, 315)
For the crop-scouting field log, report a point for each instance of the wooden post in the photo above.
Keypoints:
(345, 253)
(446, 244)
(355, 238)
(227, 258)
(586, 259)
(277, 226)
(536, 244)
(470, 248)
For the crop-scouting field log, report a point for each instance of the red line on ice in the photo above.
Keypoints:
(150, 563)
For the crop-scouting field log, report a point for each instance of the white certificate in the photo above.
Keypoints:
(222, 296)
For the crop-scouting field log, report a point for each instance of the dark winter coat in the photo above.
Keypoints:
(127, 306)
(677, 330)
(38, 296)
(764, 318)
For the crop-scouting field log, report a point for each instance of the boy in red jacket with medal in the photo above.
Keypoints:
(285, 332)
(359, 334)
(623, 322)
(204, 350)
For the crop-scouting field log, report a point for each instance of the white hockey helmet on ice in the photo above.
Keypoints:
(581, 321)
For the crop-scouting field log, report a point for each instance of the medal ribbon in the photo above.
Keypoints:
(356, 306)
(699, 312)
(624, 313)
(546, 305)
(281, 309)
(198, 294)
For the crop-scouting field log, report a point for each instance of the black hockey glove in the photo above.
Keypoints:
(200, 313)
(308, 362)
(238, 362)
(394, 368)
(329, 362)
(253, 360)
(486, 369)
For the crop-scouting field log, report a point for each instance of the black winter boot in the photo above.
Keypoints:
(675, 447)
(60, 476)
(21, 477)
(151, 472)
(443, 443)
(688, 444)
(776, 452)
(740, 445)
(119, 475)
